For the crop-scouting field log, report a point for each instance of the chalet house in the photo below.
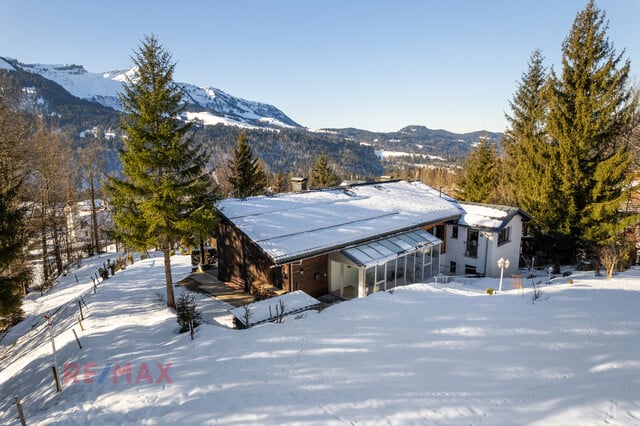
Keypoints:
(483, 234)
(355, 240)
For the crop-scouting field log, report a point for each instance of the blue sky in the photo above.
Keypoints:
(376, 65)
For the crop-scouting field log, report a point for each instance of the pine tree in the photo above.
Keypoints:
(280, 183)
(591, 110)
(165, 193)
(480, 176)
(529, 155)
(322, 175)
(247, 174)
(14, 272)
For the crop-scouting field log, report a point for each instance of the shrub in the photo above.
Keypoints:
(517, 281)
(188, 316)
(104, 273)
(490, 290)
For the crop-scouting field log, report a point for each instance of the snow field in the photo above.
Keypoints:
(425, 354)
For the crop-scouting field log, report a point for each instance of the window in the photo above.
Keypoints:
(470, 270)
(370, 279)
(439, 231)
(452, 267)
(454, 232)
(472, 243)
(504, 236)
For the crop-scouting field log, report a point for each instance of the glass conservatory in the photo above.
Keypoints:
(379, 265)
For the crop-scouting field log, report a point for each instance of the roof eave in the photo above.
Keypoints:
(331, 249)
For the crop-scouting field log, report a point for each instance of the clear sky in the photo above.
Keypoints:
(370, 64)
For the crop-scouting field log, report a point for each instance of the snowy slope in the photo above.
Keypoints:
(212, 105)
(424, 354)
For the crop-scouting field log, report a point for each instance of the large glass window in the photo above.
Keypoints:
(370, 279)
(400, 274)
(380, 278)
(426, 264)
(418, 266)
(391, 274)
(410, 268)
(435, 261)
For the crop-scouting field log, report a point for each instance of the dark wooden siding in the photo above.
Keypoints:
(241, 261)
(311, 276)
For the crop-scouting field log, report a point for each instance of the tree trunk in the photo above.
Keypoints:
(203, 260)
(45, 260)
(166, 250)
(94, 217)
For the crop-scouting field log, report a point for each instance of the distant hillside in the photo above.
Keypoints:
(419, 140)
(87, 103)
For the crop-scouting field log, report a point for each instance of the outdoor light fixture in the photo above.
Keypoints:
(502, 264)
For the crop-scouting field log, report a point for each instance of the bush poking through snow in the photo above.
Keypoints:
(247, 315)
(537, 292)
(188, 317)
(278, 316)
(104, 273)
(517, 281)
(490, 290)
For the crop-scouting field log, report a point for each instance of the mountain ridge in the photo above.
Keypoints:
(104, 88)
(87, 101)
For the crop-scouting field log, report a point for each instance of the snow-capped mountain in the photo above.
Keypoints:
(207, 104)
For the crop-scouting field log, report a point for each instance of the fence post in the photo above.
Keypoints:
(55, 377)
(77, 340)
(55, 358)
(23, 422)
(80, 306)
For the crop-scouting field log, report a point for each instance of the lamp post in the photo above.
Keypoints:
(502, 264)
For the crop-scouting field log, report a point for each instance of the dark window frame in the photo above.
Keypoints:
(504, 236)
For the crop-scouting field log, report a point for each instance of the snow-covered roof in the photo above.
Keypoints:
(488, 217)
(272, 308)
(296, 225)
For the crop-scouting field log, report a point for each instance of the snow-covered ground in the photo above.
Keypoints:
(445, 354)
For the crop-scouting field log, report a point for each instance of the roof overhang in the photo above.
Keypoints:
(326, 250)
(383, 250)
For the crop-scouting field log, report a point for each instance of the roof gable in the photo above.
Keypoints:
(488, 217)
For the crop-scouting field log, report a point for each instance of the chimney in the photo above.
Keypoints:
(298, 184)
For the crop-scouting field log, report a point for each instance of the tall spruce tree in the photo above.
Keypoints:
(165, 194)
(479, 178)
(530, 156)
(591, 109)
(247, 175)
(322, 175)
(14, 169)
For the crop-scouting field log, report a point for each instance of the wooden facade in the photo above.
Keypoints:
(242, 262)
(311, 276)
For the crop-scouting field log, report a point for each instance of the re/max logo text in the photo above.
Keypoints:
(92, 373)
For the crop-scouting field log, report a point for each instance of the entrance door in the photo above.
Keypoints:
(344, 280)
